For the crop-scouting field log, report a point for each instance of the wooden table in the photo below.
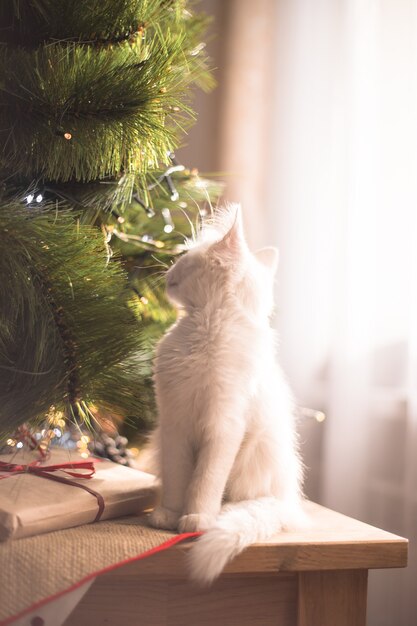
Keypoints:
(312, 578)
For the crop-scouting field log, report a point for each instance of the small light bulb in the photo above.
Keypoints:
(169, 224)
(19, 444)
(39, 197)
(29, 198)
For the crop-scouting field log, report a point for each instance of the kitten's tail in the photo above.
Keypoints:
(239, 525)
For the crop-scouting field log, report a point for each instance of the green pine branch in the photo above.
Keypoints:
(28, 23)
(68, 333)
(82, 113)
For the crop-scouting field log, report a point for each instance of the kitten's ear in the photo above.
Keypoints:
(234, 240)
(268, 256)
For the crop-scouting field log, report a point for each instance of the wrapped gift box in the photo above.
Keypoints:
(31, 504)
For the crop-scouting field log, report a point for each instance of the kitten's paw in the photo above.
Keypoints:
(164, 518)
(195, 521)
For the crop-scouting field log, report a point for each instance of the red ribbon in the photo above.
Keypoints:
(47, 471)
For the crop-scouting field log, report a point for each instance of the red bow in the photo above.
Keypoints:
(47, 471)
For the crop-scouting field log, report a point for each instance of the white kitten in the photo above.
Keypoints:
(226, 440)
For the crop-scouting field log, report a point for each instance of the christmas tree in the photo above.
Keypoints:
(94, 98)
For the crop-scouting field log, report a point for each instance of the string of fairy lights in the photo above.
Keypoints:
(146, 241)
(37, 197)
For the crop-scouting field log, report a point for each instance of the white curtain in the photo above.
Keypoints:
(341, 180)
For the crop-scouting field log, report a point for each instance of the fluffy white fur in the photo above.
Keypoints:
(225, 438)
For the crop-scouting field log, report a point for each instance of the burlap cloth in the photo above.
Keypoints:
(34, 570)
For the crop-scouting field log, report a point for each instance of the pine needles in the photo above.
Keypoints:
(82, 113)
(67, 333)
(93, 97)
